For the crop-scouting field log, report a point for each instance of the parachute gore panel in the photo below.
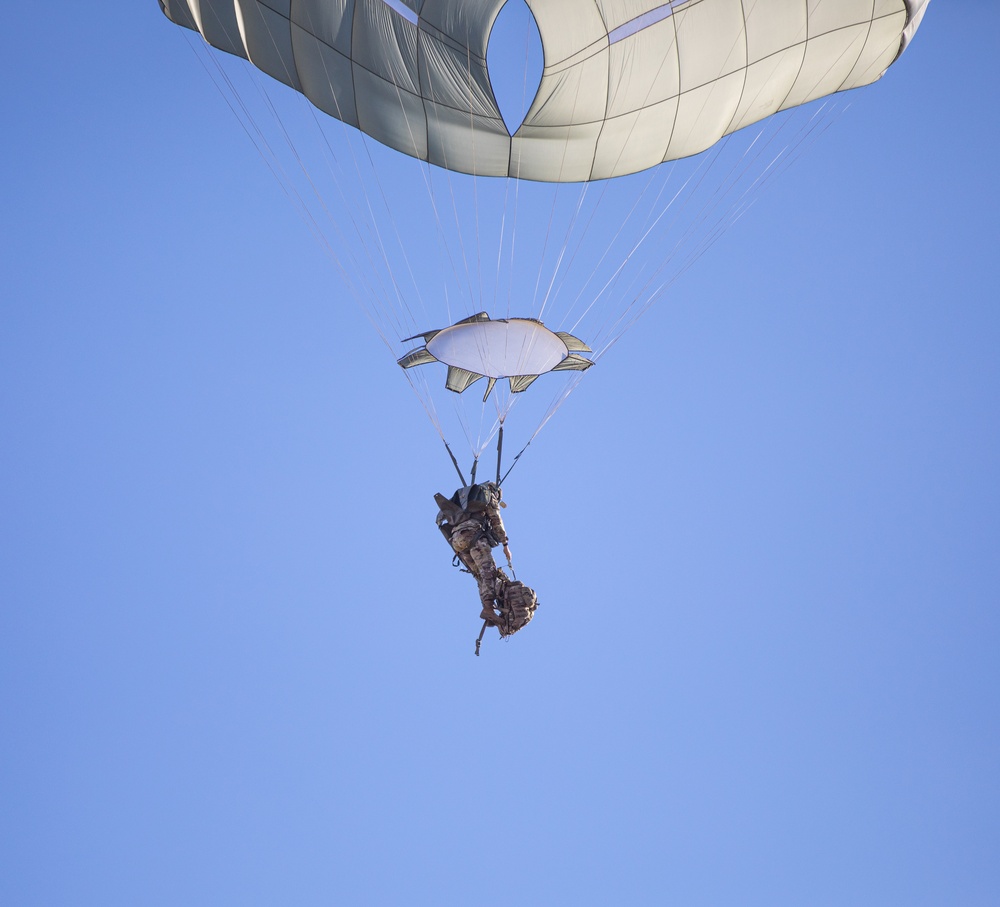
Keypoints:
(626, 84)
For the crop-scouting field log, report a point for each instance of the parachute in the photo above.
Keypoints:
(625, 86)
(519, 349)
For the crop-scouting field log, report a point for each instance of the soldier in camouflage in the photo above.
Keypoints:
(472, 524)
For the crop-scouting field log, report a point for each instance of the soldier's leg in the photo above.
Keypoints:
(463, 538)
(486, 577)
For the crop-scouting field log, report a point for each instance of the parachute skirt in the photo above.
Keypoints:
(626, 84)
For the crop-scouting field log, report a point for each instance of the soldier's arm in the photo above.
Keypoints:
(496, 524)
(497, 527)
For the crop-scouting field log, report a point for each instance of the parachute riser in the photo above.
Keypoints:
(499, 453)
(457, 467)
(512, 465)
(475, 462)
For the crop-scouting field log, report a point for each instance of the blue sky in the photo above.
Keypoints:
(235, 662)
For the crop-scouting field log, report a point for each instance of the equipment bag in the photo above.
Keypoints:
(517, 607)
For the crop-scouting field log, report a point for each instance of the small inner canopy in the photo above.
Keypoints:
(499, 349)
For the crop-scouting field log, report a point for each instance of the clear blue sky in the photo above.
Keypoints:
(235, 663)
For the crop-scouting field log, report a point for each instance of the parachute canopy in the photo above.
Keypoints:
(626, 84)
(520, 349)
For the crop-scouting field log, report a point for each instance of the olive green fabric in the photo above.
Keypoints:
(626, 84)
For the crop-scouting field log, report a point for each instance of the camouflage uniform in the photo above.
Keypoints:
(470, 527)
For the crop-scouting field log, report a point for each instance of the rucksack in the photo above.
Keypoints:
(481, 497)
(517, 607)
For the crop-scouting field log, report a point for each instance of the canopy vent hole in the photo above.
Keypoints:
(514, 62)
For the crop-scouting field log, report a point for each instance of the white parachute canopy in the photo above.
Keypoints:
(517, 277)
(626, 84)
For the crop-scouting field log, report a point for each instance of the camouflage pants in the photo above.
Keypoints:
(467, 539)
